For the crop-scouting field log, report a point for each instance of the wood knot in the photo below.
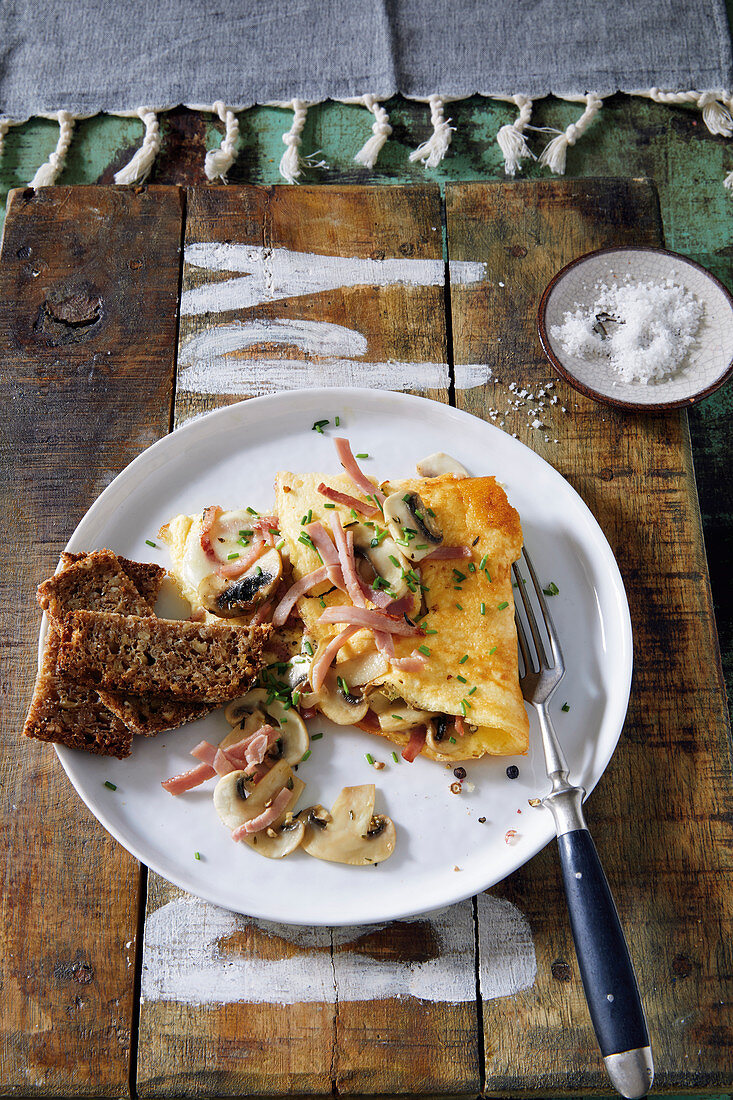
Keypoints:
(518, 250)
(561, 971)
(80, 308)
(77, 970)
(605, 474)
(69, 314)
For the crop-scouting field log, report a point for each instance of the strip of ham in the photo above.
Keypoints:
(322, 541)
(293, 594)
(186, 781)
(414, 746)
(278, 806)
(350, 502)
(446, 553)
(370, 619)
(349, 463)
(345, 550)
(414, 663)
(258, 744)
(208, 520)
(262, 614)
(460, 726)
(214, 757)
(376, 595)
(324, 660)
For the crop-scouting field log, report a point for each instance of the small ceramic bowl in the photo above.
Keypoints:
(708, 364)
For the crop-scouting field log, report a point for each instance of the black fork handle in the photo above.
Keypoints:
(605, 965)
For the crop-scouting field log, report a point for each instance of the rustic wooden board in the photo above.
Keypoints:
(661, 815)
(88, 296)
(333, 1039)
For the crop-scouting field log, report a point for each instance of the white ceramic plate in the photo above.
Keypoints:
(443, 852)
(708, 364)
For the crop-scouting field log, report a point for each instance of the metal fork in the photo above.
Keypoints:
(603, 957)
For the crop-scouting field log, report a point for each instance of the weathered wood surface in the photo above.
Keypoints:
(88, 295)
(333, 1040)
(662, 813)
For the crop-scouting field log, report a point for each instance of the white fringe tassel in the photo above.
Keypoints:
(714, 107)
(5, 125)
(380, 132)
(511, 139)
(553, 155)
(138, 169)
(219, 161)
(48, 173)
(291, 164)
(432, 151)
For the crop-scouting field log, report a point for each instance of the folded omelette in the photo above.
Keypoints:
(460, 685)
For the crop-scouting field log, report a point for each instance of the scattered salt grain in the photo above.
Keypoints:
(644, 330)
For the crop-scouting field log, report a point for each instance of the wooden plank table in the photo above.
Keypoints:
(89, 285)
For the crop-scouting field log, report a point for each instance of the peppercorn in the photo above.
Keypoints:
(512, 772)
(459, 773)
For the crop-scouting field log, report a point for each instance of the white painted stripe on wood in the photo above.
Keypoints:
(210, 362)
(186, 959)
(272, 274)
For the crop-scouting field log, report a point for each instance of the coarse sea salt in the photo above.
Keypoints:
(644, 330)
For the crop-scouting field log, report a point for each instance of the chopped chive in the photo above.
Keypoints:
(353, 513)
(305, 756)
(399, 717)
(338, 421)
(502, 605)
(462, 679)
(110, 786)
(316, 736)
(149, 542)
(463, 659)
(460, 577)
(329, 505)
(362, 455)
(252, 511)
(452, 740)
(565, 707)
(279, 545)
(319, 426)
(482, 563)
(322, 602)
(395, 757)
(343, 686)
(492, 650)
(273, 531)
(394, 561)
(460, 608)
(483, 608)
(303, 520)
(308, 648)
(406, 498)
(245, 533)
(243, 542)
(424, 650)
(551, 590)
(488, 576)
(197, 855)
(430, 511)
(231, 557)
(471, 567)
(463, 707)
(421, 545)
(258, 570)
(296, 698)
(431, 631)
(472, 690)
(369, 758)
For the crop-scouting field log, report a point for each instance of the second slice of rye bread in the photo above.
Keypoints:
(149, 656)
(102, 581)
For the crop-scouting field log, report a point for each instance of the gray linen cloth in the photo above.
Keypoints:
(90, 56)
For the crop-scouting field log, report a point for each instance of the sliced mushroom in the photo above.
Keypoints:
(395, 714)
(294, 735)
(440, 463)
(337, 702)
(237, 800)
(364, 668)
(352, 833)
(247, 592)
(385, 558)
(438, 738)
(409, 520)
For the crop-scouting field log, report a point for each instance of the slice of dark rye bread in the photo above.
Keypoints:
(96, 582)
(146, 577)
(149, 656)
(69, 714)
(100, 581)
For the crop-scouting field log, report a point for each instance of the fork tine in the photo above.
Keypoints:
(549, 624)
(534, 629)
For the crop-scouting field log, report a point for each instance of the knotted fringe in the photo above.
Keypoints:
(219, 161)
(5, 125)
(381, 130)
(553, 155)
(511, 139)
(291, 164)
(714, 107)
(432, 151)
(48, 173)
(138, 169)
